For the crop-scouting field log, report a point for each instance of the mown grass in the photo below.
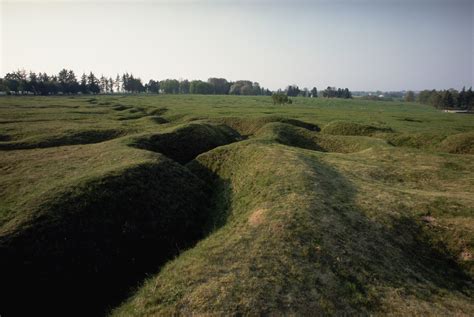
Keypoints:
(371, 215)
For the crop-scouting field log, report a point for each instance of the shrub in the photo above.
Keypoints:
(281, 99)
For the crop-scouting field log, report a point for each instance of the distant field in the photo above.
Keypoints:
(221, 205)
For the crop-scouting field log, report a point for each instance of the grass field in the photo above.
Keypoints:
(230, 205)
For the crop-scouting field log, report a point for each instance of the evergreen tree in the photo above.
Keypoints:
(461, 99)
(103, 84)
(93, 84)
(83, 88)
(347, 94)
(447, 99)
(118, 84)
(111, 85)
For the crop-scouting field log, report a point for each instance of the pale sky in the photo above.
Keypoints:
(362, 45)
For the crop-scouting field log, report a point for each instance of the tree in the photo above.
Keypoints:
(184, 87)
(118, 84)
(43, 80)
(292, 91)
(73, 85)
(347, 94)
(62, 79)
(256, 90)
(461, 100)
(125, 84)
(103, 84)
(220, 86)
(329, 92)
(67, 82)
(304, 92)
(92, 84)
(436, 99)
(14, 81)
(53, 85)
(247, 90)
(201, 87)
(424, 96)
(169, 86)
(32, 85)
(447, 99)
(111, 85)
(83, 88)
(410, 96)
(153, 87)
(4, 87)
(469, 99)
(241, 87)
(132, 84)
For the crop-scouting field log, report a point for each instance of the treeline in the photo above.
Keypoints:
(332, 92)
(213, 86)
(445, 99)
(329, 92)
(66, 82)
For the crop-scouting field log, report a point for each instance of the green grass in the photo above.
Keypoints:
(371, 215)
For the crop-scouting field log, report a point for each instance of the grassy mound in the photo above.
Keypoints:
(249, 126)
(289, 239)
(65, 138)
(462, 143)
(352, 128)
(152, 120)
(185, 142)
(457, 143)
(419, 140)
(293, 136)
(70, 241)
(131, 114)
(157, 111)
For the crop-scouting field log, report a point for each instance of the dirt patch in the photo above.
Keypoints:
(257, 217)
(465, 255)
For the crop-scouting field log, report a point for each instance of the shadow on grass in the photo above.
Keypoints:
(97, 241)
(67, 138)
(367, 256)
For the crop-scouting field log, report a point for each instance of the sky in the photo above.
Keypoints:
(383, 45)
